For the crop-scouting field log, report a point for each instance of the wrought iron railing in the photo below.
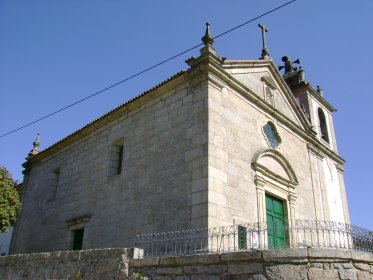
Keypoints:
(260, 236)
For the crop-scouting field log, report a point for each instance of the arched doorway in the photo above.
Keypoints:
(276, 195)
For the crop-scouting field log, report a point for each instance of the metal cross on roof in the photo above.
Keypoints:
(208, 39)
(265, 51)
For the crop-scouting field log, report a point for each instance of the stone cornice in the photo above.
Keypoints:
(340, 168)
(280, 81)
(308, 87)
(215, 67)
(264, 173)
(321, 151)
(268, 81)
(79, 220)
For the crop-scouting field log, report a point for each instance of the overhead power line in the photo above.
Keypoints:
(142, 72)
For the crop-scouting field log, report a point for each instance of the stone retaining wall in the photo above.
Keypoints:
(87, 264)
(309, 264)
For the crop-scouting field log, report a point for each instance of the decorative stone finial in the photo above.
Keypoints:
(208, 39)
(36, 144)
(320, 91)
(288, 64)
(265, 51)
(301, 74)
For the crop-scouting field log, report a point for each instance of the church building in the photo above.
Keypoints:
(223, 142)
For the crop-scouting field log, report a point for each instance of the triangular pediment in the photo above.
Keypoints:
(265, 82)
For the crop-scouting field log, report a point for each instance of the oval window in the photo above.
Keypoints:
(270, 132)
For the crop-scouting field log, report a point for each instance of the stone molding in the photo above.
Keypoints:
(269, 82)
(78, 222)
(292, 181)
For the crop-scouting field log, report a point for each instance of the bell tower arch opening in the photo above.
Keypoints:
(323, 125)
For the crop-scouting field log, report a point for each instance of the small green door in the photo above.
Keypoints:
(78, 239)
(275, 222)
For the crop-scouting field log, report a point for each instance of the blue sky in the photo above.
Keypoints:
(53, 53)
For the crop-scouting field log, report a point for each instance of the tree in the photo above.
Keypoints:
(9, 200)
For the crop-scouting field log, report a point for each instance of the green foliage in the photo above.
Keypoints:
(139, 276)
(9, 200)
(78, 275)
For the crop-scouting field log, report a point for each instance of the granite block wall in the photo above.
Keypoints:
(162, 185)
(290, 264)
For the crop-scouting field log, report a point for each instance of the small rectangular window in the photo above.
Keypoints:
(53, 183)
(120, 159)
(78, 239)
(116, 158)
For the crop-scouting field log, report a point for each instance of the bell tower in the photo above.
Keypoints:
(311, 101)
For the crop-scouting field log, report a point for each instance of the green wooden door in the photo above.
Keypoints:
(275, 222)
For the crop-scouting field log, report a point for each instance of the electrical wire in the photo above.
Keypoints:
(141, 72)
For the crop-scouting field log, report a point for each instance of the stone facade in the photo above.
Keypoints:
(191, 152)
(165, 146)
(118, 263)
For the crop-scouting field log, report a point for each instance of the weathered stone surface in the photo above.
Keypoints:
(362, 266)
(245, 268)
(163, 277)
(337, 265)
(90, 264)
(170, 270)
(245, 255)
(206, 269)
(318, 265)
(315, 273)
(347, 265)
(364, 275)
(206, 259)
(144, 262)
(203, 277)
(328, 253)
(362, 256)
(116, 264)
(347, 274)
(286, 272)
(245, 277)
(181, 277)
(326, 266)
(295, 255)
(257, 277)
(167, 261)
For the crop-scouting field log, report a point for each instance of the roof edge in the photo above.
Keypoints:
(99, 122)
